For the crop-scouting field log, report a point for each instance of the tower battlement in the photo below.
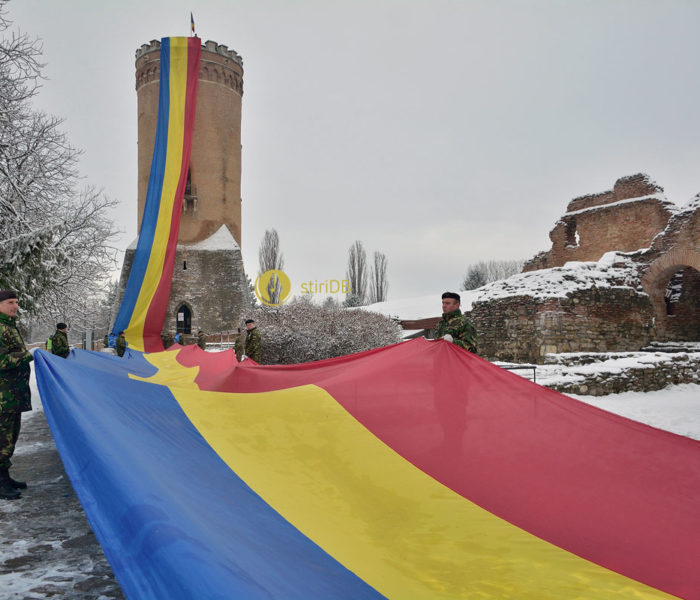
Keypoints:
(209, 46)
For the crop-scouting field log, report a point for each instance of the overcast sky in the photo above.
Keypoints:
(441, 133)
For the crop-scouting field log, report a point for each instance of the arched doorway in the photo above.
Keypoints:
(183, 319)
(675, 295)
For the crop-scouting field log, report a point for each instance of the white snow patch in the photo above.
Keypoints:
(658, 196)
(221, 240)
(675, 409)
(610, 363)
(613, 270)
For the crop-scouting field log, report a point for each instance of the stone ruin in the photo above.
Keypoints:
(623, 272)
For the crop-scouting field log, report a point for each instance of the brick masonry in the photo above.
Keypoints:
(624, 219)
(215, 162)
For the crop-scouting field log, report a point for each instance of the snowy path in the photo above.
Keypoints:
(47, 549)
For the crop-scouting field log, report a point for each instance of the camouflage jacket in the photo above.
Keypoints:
(202, 340)
(460, 328)
(59, 344)
(167, 339)
(253, 345)
(14, 367)
(121, 345)
(239, 346)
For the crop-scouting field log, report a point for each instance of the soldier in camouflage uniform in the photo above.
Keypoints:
(15, 396)
(59, 341)
(121, 344)
(253, 342)
(239, 346)
(202, 339)
(454, 326)
(168, 339)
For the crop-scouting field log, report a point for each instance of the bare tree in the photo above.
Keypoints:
(378, 283)
(271, 259)
(54, 239)
(356, 274)
(484, 272)
(475, 277)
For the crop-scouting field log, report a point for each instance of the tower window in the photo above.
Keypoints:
(184, 265)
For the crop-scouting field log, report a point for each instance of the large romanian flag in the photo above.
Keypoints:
(416, 471)
(145, 300)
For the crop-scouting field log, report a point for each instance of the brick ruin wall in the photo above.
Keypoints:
(662, 239)
(676, 250)
(682, 320)
(524, 329)
(612, 220)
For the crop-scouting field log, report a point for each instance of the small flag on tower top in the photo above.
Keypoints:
(192, 23)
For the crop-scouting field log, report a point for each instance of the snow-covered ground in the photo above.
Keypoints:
(675, 409)
(47, 549)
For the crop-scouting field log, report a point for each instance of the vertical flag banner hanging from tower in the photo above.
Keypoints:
(145, 301)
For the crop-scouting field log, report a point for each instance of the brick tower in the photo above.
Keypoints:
(209, 290)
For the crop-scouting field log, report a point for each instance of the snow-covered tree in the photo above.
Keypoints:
(94, 312)
(54, 238)
(302, 331)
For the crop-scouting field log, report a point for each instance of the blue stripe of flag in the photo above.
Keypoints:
(154, 194)
(173, 519)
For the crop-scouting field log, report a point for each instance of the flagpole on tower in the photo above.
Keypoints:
(192, 33)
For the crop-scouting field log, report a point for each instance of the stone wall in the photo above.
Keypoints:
(213, 286)
(524, 329)
(675, 369)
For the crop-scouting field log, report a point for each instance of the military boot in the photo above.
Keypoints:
(7, 491)
(18, 485)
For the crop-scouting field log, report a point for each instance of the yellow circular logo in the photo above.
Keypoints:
(273, 287)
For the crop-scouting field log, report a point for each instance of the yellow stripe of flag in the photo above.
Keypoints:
(398, 529)
(173, 167)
